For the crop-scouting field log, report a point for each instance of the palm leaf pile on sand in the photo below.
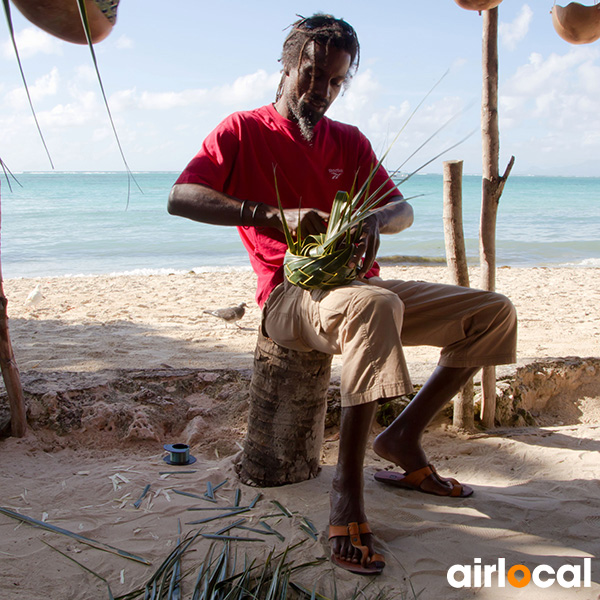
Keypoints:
(221, 574)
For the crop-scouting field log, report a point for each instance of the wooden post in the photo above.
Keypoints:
(8, 365)
(288, 402)
(492, 186)
(456, 257)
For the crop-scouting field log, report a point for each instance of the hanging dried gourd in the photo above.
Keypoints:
(577, 23)
(478, 5)
(61, 18)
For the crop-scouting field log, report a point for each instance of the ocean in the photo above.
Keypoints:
(67, 224)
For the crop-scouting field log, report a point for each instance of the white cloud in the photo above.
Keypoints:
(589, 75)
(32, 41)
(356, 103)
(554, 72)
(169, 100)
(248, 88)
(244, 91)
(86, 74)
(47, 85)
(512, 33)
(557, 94)
(85, 108)
(364, 106)
(363, 88)
(124, 43)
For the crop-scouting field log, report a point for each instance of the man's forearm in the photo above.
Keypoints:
(395, 217)
(206, 205)
(203, 204)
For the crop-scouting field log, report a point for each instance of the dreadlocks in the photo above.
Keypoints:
(320, 29)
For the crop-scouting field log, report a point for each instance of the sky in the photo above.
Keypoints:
(173, 70)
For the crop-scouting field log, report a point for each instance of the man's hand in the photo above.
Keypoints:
(393, 218)
(367, 246)
(311, 221)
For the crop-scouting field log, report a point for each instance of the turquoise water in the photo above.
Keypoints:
(60, 224)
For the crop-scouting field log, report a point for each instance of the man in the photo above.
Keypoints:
(231, 181)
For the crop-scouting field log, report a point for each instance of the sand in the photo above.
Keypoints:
(114, 367)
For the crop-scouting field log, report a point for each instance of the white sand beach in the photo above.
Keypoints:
(94, 340)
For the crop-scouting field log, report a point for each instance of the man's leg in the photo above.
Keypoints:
(348, 320)
(472, 327)
(346, 499)
(400, 443)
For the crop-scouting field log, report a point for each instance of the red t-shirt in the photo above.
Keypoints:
(239, 156)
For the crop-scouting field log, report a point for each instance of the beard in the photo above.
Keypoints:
(305, 116)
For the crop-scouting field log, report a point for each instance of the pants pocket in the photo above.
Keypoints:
(281, 320)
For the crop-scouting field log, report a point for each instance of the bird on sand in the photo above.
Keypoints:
(35, 297)
(231, 314)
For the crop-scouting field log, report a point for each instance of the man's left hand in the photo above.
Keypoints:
(367, 246)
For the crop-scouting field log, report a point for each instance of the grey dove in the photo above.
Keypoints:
(230, 314)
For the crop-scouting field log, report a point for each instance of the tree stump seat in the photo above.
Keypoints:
(288, 403)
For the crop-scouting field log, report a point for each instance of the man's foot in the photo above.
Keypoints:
(404, 450)
(370, 564)
(351, 540)
(417, 480)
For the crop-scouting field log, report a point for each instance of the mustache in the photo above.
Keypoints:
(316, 102)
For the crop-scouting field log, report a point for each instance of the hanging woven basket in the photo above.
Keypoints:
(61, 18)
(478, 5)
(577, 23)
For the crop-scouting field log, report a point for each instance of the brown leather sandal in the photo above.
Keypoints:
(369, 565)
(414, 481)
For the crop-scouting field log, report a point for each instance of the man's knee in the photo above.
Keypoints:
(506, 309)
(378, 301)
(501, 312)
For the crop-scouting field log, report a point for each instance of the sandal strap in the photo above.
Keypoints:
(457, 487)
(353, 531)
(377, 558)
(417, 477)
(348, 530)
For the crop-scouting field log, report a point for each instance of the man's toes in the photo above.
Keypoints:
(346, 551)
(351, 557)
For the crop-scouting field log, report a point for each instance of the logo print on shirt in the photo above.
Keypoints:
(336, 173)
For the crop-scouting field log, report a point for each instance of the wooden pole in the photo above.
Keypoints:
(8, 365)
(492, 186)
(456, 257)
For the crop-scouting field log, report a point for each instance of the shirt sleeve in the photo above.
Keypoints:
(215, 161)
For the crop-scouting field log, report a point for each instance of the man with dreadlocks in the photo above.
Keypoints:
(231, 182)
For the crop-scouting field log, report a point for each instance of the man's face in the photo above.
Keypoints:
(312, 88)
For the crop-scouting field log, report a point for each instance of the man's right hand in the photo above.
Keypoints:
(310, 220)
(203, 204)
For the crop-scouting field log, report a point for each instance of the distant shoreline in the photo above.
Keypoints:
(176, 174)
(390, 262)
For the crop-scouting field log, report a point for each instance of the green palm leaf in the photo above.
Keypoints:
(14, 43)
(321, 261)
(88, 35)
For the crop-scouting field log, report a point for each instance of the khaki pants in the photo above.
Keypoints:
(369, 323)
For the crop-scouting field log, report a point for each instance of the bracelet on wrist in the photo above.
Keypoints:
(254, 213)
(242, 214)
